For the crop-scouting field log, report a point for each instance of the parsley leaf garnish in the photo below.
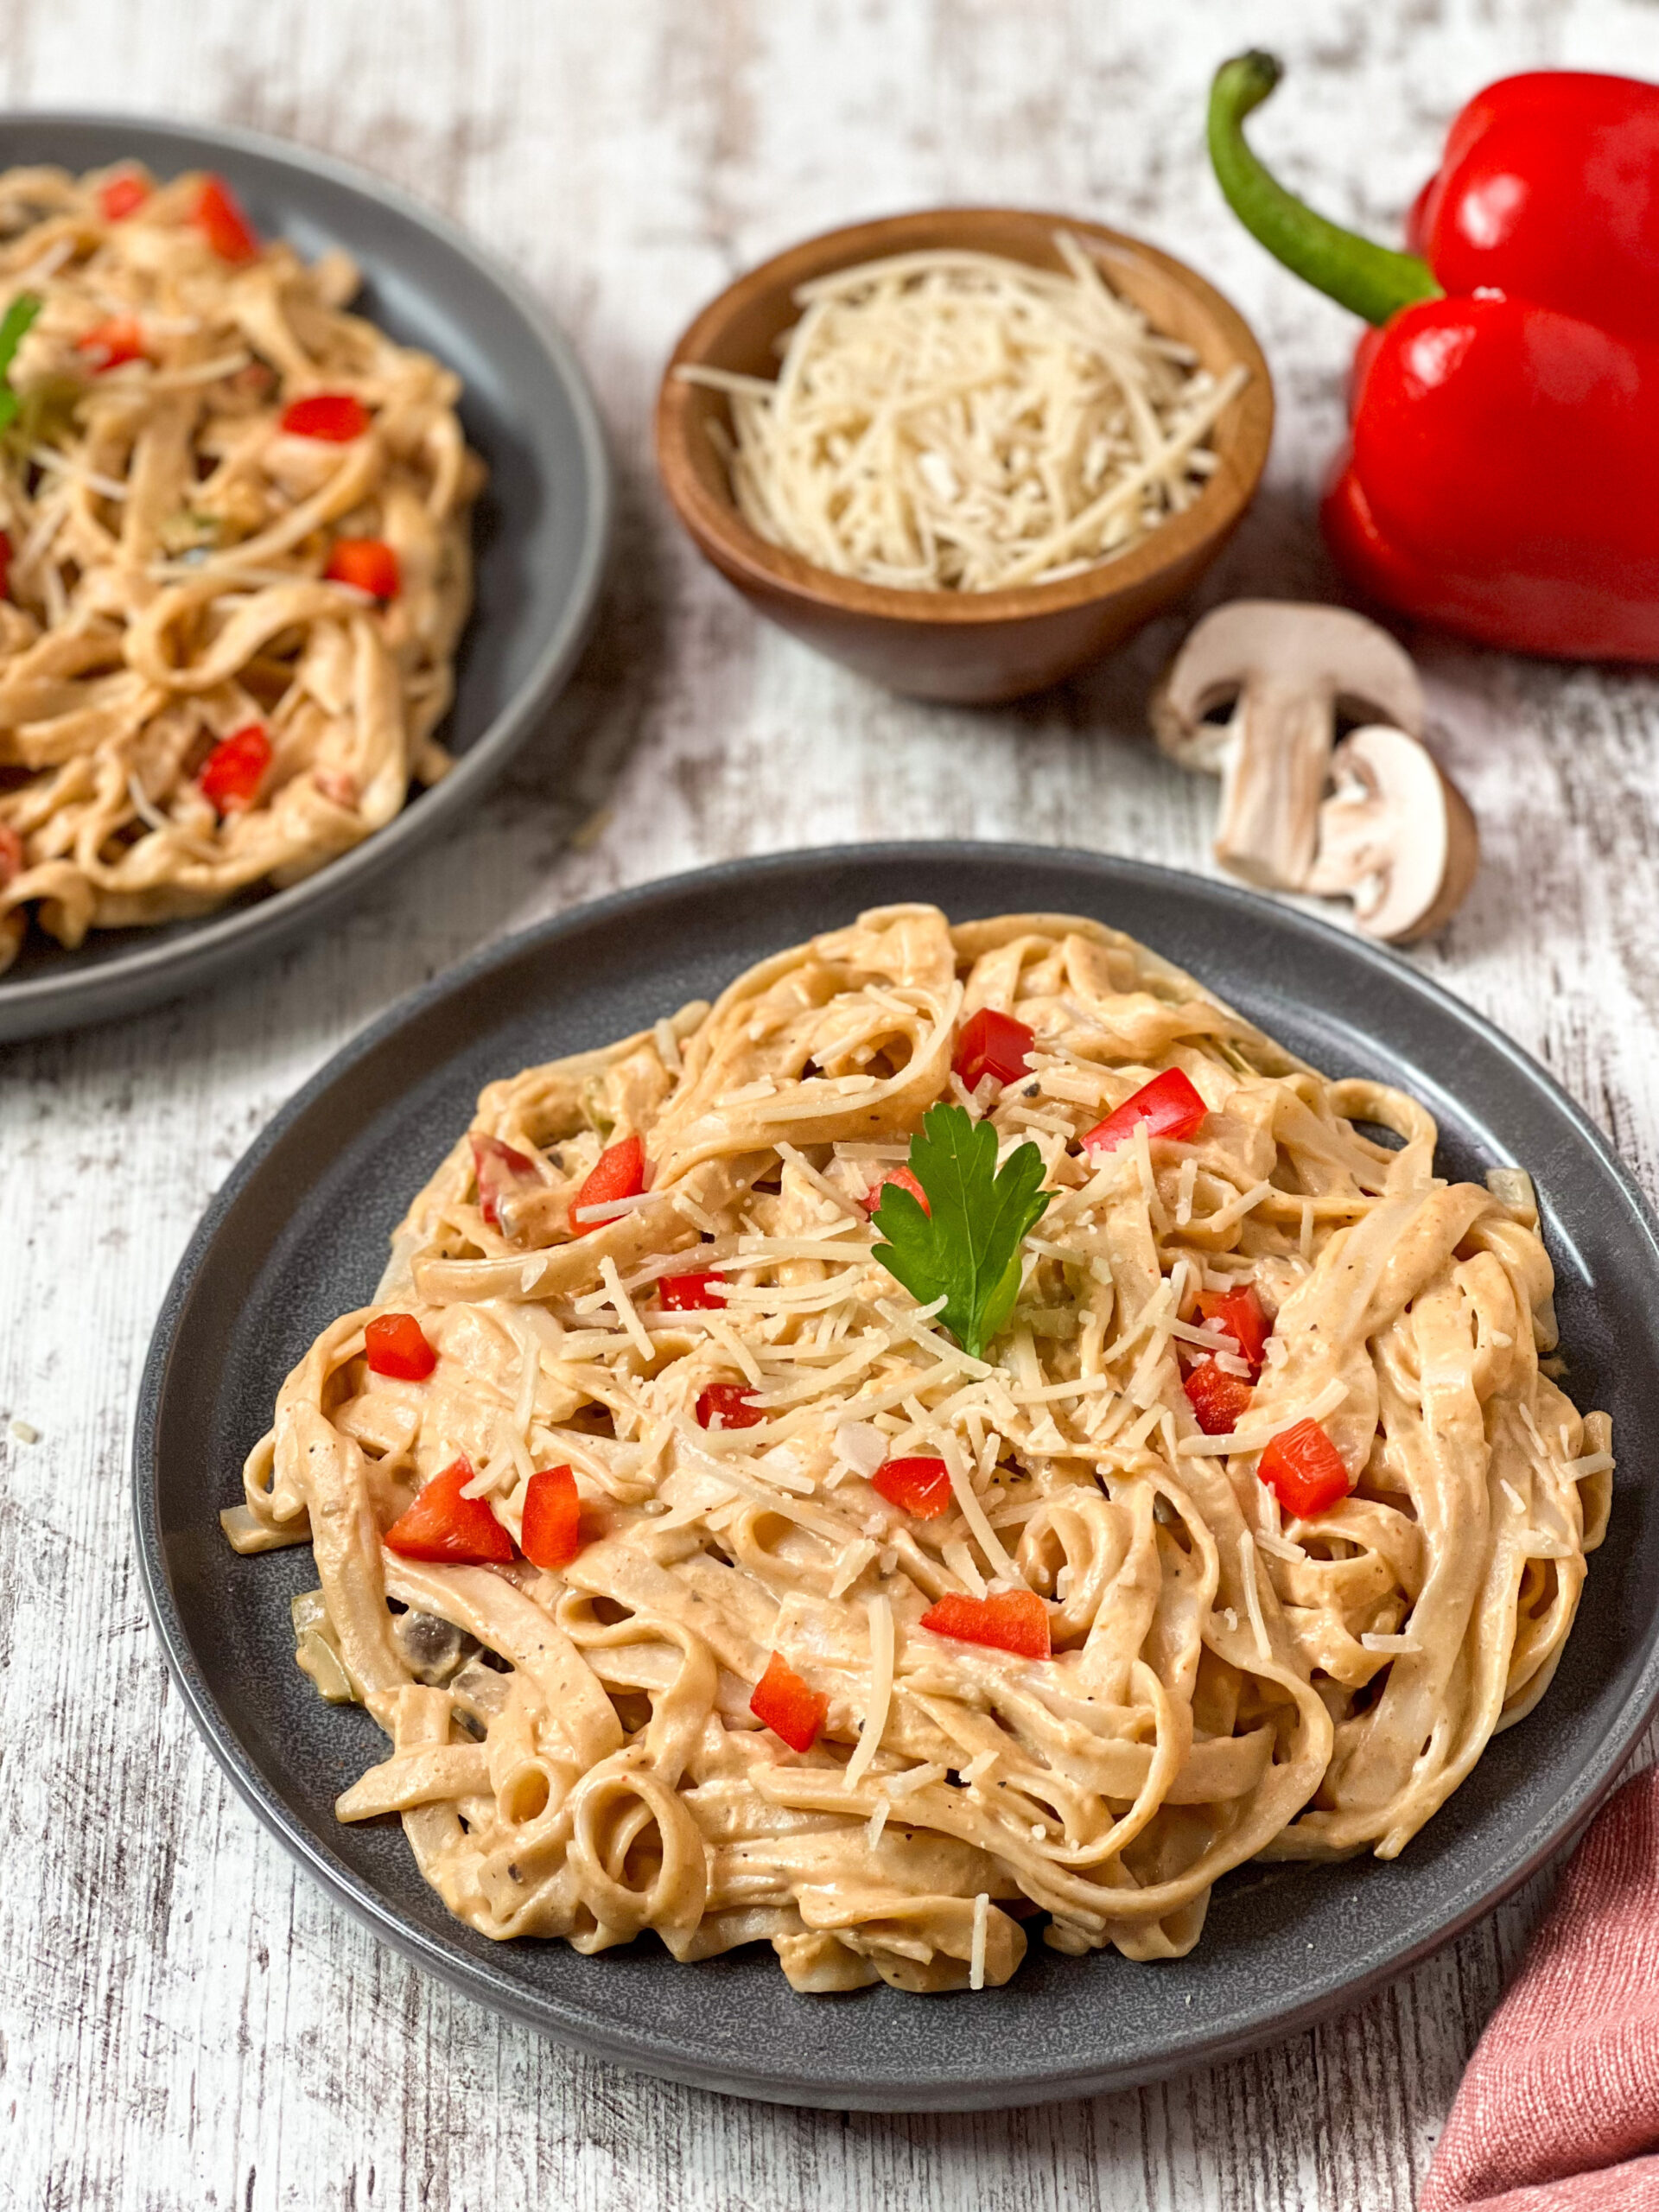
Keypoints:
(18, 316)
(967, 1249)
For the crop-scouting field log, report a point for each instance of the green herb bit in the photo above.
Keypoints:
(965, 1247)
(13, 327)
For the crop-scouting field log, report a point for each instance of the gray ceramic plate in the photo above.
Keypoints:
(540, 534)
(297, 1235)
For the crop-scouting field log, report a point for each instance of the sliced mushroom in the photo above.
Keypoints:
(1395, 836)
(431, 1647)
(1287, 670)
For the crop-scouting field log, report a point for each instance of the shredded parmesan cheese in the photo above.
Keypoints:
(1252, 1592)
(981, 1925)
(624, 1310)
(612, 1209)
(973, 1512)
(880, 1697)
(1184, 1189)
(918, 1777)
(960, 1560)
(952, 421)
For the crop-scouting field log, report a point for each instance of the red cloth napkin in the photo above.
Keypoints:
(1560, 2100)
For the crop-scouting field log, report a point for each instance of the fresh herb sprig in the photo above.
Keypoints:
(964, 1246)
(14, 327)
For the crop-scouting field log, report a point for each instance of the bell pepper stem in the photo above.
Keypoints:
(1368, 279)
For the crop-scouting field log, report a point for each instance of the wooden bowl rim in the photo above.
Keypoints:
(1243, 434)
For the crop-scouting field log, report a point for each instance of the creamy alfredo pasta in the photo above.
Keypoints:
(704, 1580)
(234, 558)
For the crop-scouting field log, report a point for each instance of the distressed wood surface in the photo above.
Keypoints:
(186, 2021)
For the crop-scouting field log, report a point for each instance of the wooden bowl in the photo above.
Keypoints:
(967, 646)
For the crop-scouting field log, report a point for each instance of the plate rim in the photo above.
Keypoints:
(473, 1977)
(144, 974)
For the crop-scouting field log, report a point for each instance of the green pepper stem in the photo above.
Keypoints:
(1368, 279)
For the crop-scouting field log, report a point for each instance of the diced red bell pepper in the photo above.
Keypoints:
(1009, 1620)
(693, 1293)
(1169, 1105)
(993, 1044)
(619, 1172)
(219, 214)
(499, 1169)
(729, 1403)
(444, 1525)
(906, 1181)
(5, 566)
(919, 1486)
(11, 854)
(788, 1707)
(552, 1533)
(1218, 1400)
(1242, 1314)
(396, 1345)
(234, 770)
(107, 344)
(336, 417)
(1304, 1470)
(368, 563)
(121, 196)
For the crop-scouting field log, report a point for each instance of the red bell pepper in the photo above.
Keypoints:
(1304, 1470)
(906, 1181)
(700, 1291)
(730, 1404)
(551, 1536)
(336, 417)
(444, 1525)
(1169, 1105)
(234, 770)
(499, 1170)
(368, 563)
(1009, 1620)
(11, 854)
(993, 1044)
(396, 1345)
(920, 1486)
(1218, 1400)
(1240, 1313)
(5, 566)
(788, 1707)
(1503, 476)
(619, 1172)
(121, 196)
(219, 214)
(107, 344)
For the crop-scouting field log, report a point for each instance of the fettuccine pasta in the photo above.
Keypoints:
(236, 566)
(733, 1378)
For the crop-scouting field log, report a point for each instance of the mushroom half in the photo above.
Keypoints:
(1395, 836)
(1286, 671)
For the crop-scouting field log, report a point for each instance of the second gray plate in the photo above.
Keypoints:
(540, 531)
(298, 1234)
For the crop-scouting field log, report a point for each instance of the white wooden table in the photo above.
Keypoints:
(184, 2020)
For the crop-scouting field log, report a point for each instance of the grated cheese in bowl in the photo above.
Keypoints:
(954, 420)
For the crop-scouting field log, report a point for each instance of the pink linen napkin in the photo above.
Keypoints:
(1559, 2110)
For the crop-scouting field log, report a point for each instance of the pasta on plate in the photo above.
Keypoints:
(235, 562)
(705, 1579)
